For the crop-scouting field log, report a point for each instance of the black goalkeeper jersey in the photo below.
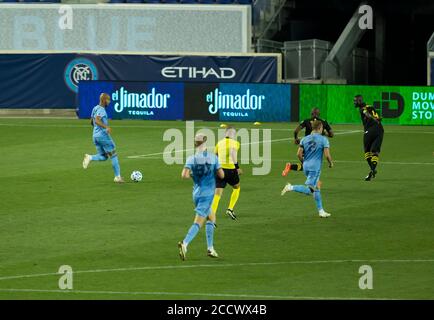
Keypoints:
(307, 124)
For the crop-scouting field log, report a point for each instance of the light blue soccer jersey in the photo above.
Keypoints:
(203, 166)
(97, 130)
(313, 146)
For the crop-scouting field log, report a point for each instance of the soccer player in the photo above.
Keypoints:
(227, 151)
(373, 137)
(307, 125)
(310, 152)
(105, 146)
(203, 168)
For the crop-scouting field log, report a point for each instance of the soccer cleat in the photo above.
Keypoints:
(86, 161)
(286, 170)
(212, 253)
(288, 187)
(323, 214)
(119, 179)
(371, 175)
(231, 214)
(182, 250)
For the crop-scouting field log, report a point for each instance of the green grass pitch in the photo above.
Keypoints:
(121, 240)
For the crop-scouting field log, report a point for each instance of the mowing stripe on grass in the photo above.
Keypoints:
(226, 265)
(227, 295)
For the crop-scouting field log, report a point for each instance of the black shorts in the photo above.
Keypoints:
(231, 177)
(372, 139)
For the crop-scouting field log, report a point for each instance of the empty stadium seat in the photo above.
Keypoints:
(152, 1)
(116, 1)
(170, 1)
(189, 1)
(225, 1)
(206, 1)
(9, 1)
(135, 1)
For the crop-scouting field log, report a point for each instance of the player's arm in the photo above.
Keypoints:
(234, 157)
(329, 130)
(99, 122)
(186, 173)
(300, 153)
(328, 157)
(220, 173)
(296, 131)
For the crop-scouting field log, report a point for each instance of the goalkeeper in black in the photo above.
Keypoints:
(373, 137)
(307, 125)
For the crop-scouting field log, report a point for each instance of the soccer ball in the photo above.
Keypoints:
(136, 176)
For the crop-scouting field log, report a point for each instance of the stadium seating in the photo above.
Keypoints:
(207, 1)
(135, 1)
(117, 1)
(225, 1)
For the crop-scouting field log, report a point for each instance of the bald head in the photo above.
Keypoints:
(104, 99)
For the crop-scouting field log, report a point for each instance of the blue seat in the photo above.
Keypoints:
(171, 1)
(9, 1)
(225, 1)
(135, 1)
(189, 1)
(245, 1)
(207, 1)
(152, 1)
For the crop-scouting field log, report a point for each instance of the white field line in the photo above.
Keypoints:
(243, 161)
(191, 294)
(243, 144)
(226, 265)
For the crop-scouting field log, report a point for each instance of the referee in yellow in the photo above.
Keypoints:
(227, 152)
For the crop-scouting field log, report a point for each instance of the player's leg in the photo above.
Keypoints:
(110, 150)
(202, 211)
(368, 139)
(99, 156)
(210, 226)
(234, 181)
(292, 167)
(216, 200)
(220, 185)
(298, 188)
(375, 149)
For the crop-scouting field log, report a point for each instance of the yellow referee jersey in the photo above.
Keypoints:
(222, 149)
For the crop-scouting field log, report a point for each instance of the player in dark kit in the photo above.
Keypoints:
(373, 137)
(307, 125)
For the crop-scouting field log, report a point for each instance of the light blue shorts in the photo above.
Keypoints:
(104, 145)
(203, 205)
(312, 178)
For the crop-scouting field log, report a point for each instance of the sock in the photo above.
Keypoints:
(210, 234)
(215, 203)
(234, 198)
(318, 201)
(302, 189)
(98, 157)
(192, 232)
(297, 167)
(368, 158)
(115, 165)
(374, 161)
